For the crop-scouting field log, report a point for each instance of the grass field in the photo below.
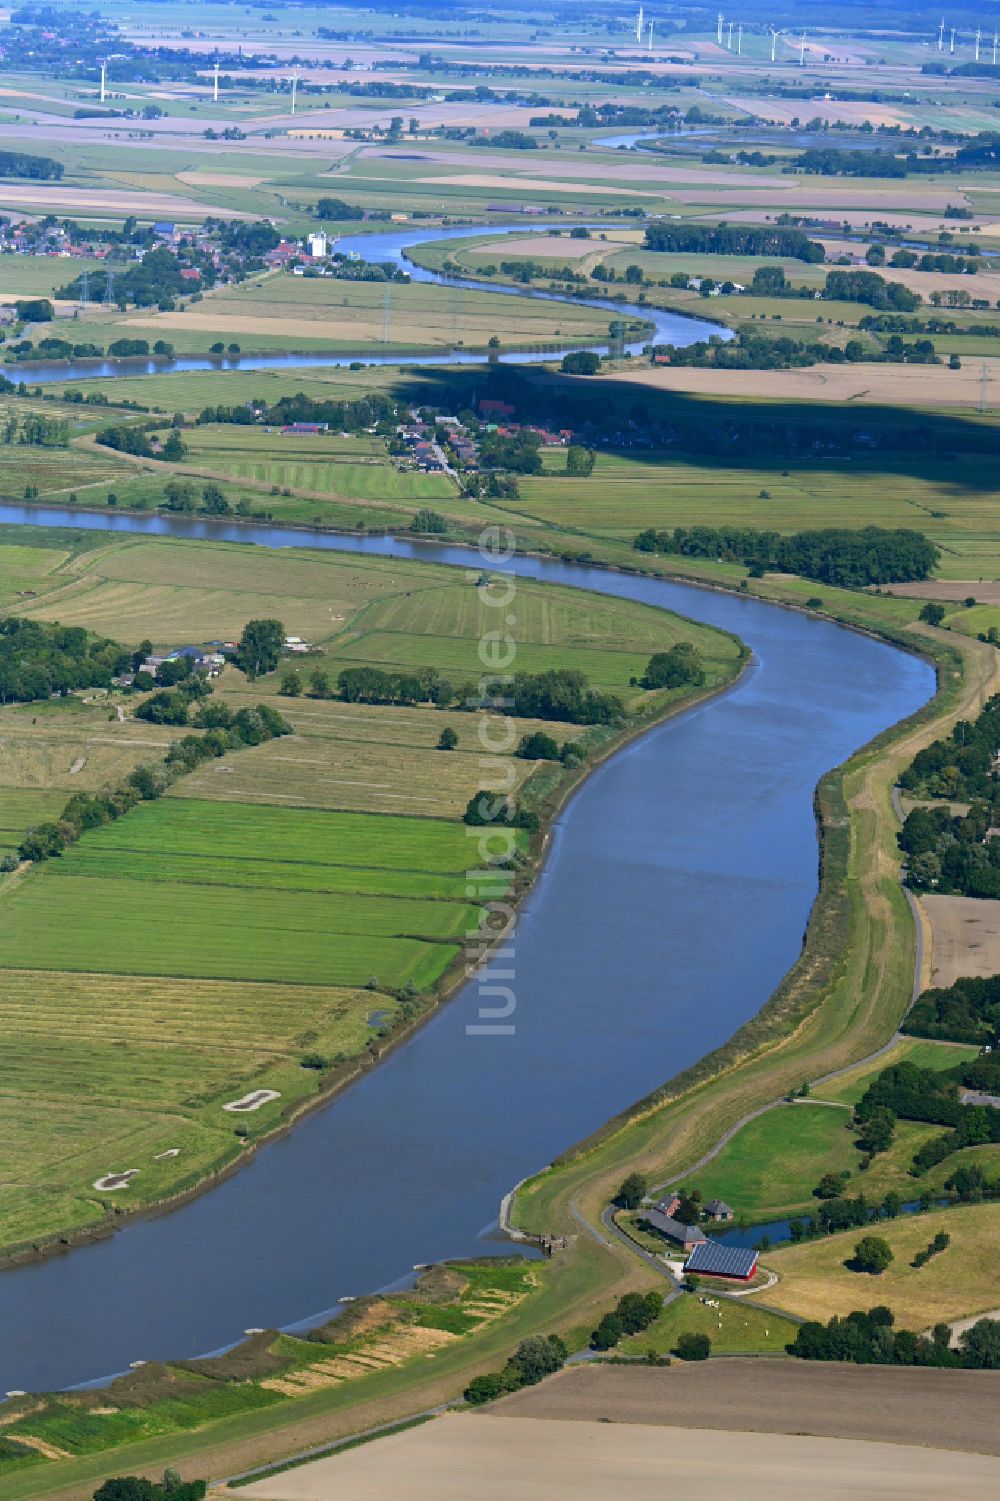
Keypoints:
(736, 1328)
(815, 1283)
(356, 468)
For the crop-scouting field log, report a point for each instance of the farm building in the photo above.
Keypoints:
(719, 1209)
(687, 1236)
(711, 1259)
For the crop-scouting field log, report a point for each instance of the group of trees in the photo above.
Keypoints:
(353, 416)
(869, 288)
(829, 161)
(632, 1313)
(753, 349)
(35, 430)
(537, 1356)
(967, 1011)
(38, 168)
(951, 852)
(38, 660)
(847, 558)
(337, 210)
(733, 239)
(869, 1339)
(155, 281)
(677, 668)
(912, 1093)
(138, 1488)
(132, 439)
(962, 764)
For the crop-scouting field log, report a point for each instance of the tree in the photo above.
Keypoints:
(632, 1191)
(260, 646)
(579, 460)
(876, 1133)
(892, 1204)
(875, 255)
(319, 683)
(932, 613)
(34, 310)
(688, 1210)
(537, 1356)
(428, 521)
(214, 501)
(692, 1346)
(872, 1254)
(484, 1389)
(291, 683)
(981, 1345)
(448, 739)
(538, 747)
(608, 1332)
(580, 362)
(174, 449)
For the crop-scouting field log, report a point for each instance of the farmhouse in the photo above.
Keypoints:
(710, 1259)
(719, 1209)
(687, 1236)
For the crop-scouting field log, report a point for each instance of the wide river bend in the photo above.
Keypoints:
(674, 898)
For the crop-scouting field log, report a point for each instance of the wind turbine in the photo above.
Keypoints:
(952, 47)
(215, 82)
(295, 84)
(718, 31)
(774, 40)
(802, 51)
(729, 44)
(739, 40)
(649, 41)
(994, 49)
(941, 36)
(104, 74)
(638, 26)
(978, 39)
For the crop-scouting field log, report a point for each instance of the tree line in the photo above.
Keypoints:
(752, 350)
(733, 239)
(907, 1091)
(870, 1339)
(834, 555)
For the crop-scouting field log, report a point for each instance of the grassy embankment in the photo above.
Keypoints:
(318, 880)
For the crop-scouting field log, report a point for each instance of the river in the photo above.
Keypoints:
(674, 898)
(393, 246)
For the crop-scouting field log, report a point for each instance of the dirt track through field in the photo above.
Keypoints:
(489, 1457)
(894, 1404)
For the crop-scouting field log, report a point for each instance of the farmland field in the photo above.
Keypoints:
(278, 902)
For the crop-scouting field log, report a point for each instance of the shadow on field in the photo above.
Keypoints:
(949, 449)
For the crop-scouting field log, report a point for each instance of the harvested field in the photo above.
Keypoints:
(965, 936)
(95, 202)
(953, 1410)
(555, 247)
(893, 385)
(457, 1456)
(985, 591)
